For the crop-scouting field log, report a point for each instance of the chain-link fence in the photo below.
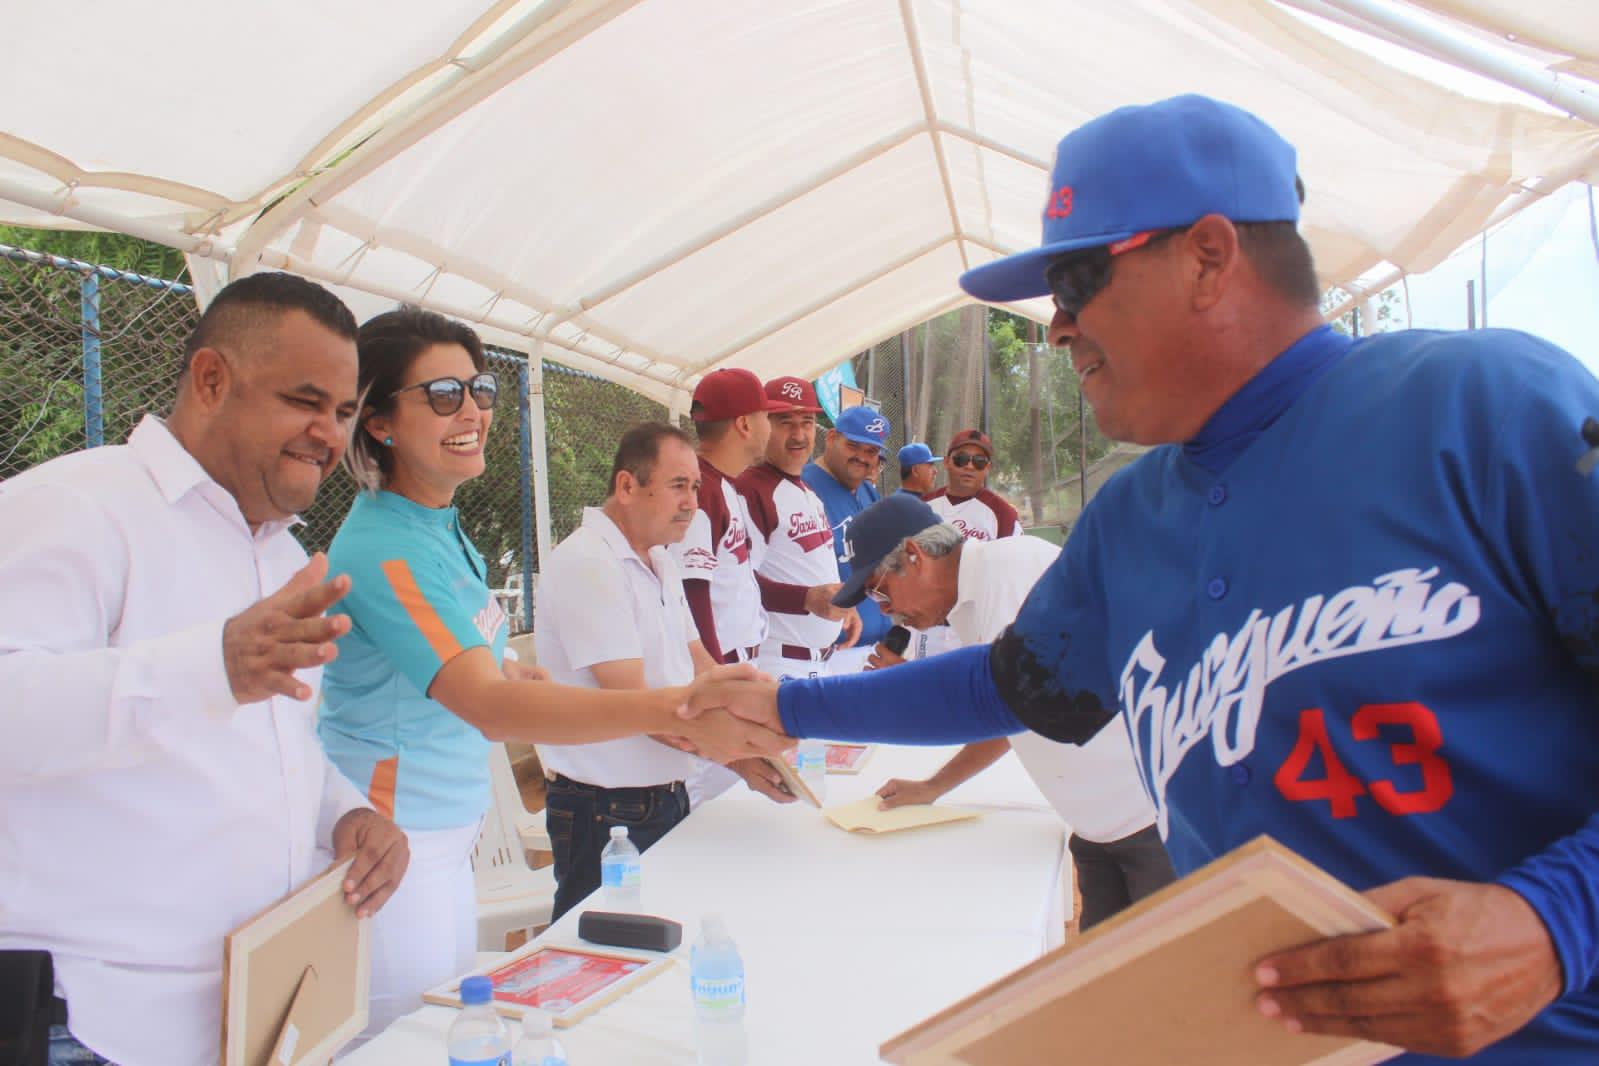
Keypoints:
(985, 368)
(86, 351)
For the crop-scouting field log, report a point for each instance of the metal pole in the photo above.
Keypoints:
(524, 424)
(1471, 304)
(1082, 452)
(93, 397)
(986, 360)
(1035, 421)
(907, 350)
(539, 453)
(1452, 46)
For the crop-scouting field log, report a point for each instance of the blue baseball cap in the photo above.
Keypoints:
(915, 455)
(1151, 167)
(863, 426)
(874, 533)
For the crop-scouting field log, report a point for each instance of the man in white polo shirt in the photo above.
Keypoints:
(612, 614)
(798, 574)
(923, 572)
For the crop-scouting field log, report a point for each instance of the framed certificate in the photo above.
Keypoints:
(568, 983)
(841, 758)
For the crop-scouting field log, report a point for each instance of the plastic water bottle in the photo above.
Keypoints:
(538, 1046)
(478, 1036)
(716, 974)
(620, 873)
(811, 764)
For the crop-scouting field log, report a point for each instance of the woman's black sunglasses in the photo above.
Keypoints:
(445, 395)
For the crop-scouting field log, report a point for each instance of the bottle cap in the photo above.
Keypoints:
(537, 1023)
(712, 927)
(618, 832)
(476, 991)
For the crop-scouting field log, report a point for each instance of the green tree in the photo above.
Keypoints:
(102, 249)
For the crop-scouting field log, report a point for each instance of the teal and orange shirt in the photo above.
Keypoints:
(419, 597)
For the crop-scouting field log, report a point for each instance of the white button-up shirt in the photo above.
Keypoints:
(1094, 786)
(143, 813)
(597, 601)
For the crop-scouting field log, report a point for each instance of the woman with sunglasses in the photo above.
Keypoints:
(421, 686)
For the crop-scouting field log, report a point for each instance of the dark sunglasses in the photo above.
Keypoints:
(1077, 277)
(964, 459)
(445, 395)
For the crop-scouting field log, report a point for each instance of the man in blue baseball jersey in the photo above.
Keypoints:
(842, 477)
(1352, 601)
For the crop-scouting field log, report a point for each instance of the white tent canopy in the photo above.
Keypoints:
(647, 189)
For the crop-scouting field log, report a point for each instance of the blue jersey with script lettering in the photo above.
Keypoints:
(842, 506)
(1360, 614)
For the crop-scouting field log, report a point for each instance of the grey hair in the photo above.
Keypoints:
(933, 542)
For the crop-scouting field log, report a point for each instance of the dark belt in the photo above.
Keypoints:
(58, 1011)
(583, 786)
(731, 658)
(800, 651)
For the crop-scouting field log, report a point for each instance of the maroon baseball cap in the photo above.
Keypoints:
(971, 436)
(795, 394)
(728, 393)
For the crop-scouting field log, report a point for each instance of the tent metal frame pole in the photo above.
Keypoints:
(914, 42)
(754, 214)
(855, 284)
(539, 428)
(509, 61)
(1434, 40)
(420, 248)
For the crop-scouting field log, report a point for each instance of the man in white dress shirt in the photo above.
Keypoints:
(923, 572)
(161, 643)
(613, 614)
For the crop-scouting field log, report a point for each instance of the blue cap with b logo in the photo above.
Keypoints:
(1152, 167)
(863, 426)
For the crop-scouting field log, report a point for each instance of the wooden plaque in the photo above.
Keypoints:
(1169, 980)
(295, 978)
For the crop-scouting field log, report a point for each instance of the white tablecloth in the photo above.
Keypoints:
(846, 939)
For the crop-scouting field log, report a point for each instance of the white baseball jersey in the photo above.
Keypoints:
(795, 538)
(718, 549)
(985, 516)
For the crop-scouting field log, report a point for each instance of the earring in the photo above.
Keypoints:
(388, 442)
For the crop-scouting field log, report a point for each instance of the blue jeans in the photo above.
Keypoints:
(579, 818)
(66, 1051)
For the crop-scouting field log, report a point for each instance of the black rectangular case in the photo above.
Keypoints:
(643, 931)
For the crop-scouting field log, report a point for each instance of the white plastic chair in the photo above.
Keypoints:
(510, 896)
(527, 826)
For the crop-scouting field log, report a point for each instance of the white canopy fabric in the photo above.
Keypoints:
(647, 189)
